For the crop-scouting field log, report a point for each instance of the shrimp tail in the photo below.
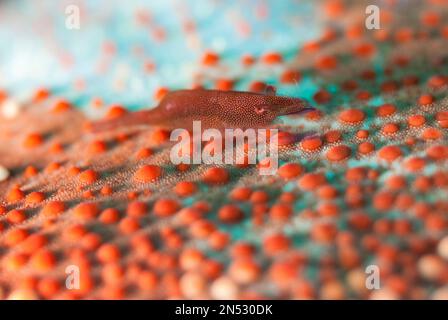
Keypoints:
(132, 119)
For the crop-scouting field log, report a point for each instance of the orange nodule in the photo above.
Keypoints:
(30, 171)
(442, 119)
(383, 200)
(328, 209)
(366, 147)
(244, 271)
(75, 232)
(326, 63)
(190, 258)
(311, 143)
(389, 86)
(272, 58)
(354, 31)
(34, 242)
(15, 195)
(106, 190)
(147, 280)
(430, 18)
(43, 260)
(3, 95)
(61, 106)
(15, 261)
(185, 188)
(56, 148)
(73, 171)
(108, 253)
(210, 58)
(364, 50)
(48, 287)
(87, 194)
(290, 76)
(109, 216)
(362, 134)
(202, 228)
(241, 193)
(218, 240)
(86, 210)
(275, 244)
(247, 60)
(137, 209)
(322, 96)
(338, 153)
(159, 136)
(16, 216)
(311, 181)
(438, 152)
(96, 147)
(187, 216)
(224, 84)
(215, 176)
(404, 34)
(437, 81)
(333, 136)
(148, 173)
(286, 138)
(415, 164)
(390, 128)
(15, 236)
(257, 86)
(324, 232)
(116, 111)
(311, 46)
(280, 212)
(144, 153)
(41, 94)
(425, 99)
(230, 214)
(352, 116)
(35, 198)
(290, 170)
(33, 140)
(53, 166)
(132, 195)
(160, 93)
(53, 208)
(431, 134)
(259, 196)
(88, 176)
(165, 207)
(128, 225)
(416, 120)
(363, 95)
(389, 153)
(327, 191)
(386, 110)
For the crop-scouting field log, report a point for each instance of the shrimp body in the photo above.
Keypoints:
(214, 108)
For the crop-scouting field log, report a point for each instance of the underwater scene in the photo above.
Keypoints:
(224, 149)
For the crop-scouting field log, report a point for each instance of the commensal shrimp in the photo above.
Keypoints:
(214, 108)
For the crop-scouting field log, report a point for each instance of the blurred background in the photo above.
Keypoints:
(124, 52)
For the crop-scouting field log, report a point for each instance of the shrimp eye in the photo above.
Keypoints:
(260, 109)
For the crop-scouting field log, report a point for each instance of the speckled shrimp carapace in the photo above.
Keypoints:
(214, 108)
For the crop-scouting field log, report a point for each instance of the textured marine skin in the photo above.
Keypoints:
(369, 189)
(215, 109)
